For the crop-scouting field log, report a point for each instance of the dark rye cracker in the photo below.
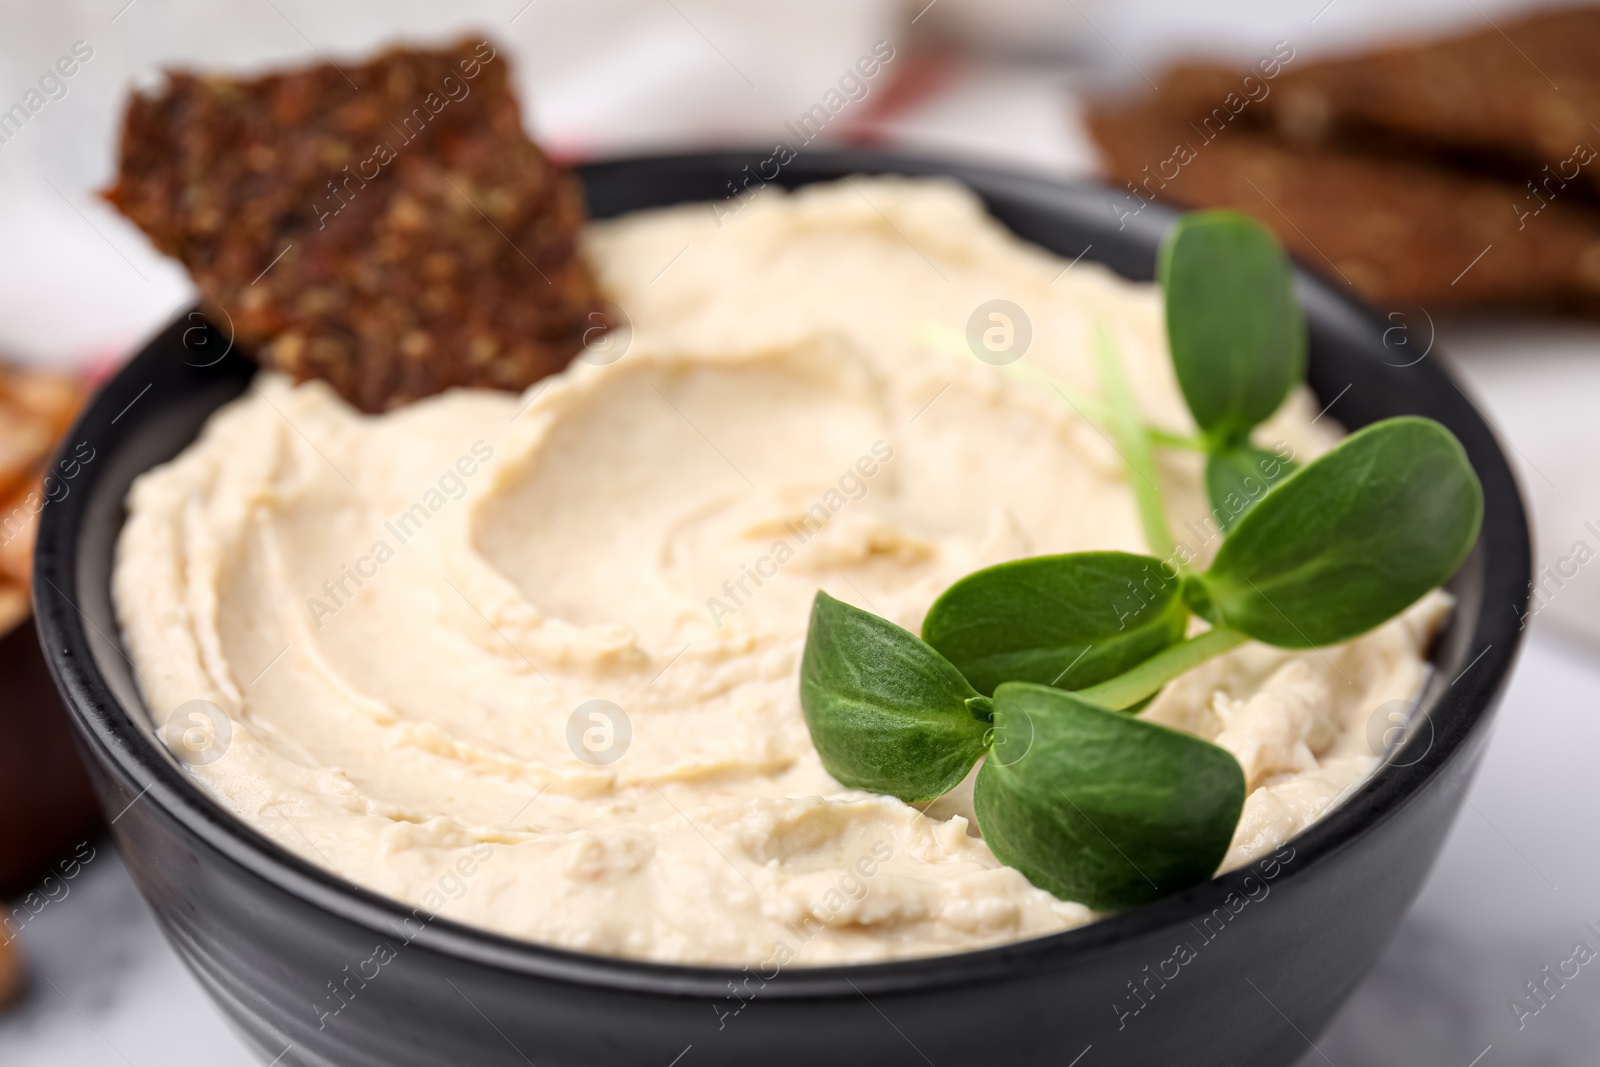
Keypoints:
(1519, 94)
(1403, 232)
(388, 227)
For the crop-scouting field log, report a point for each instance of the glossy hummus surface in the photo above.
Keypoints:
(529, 662)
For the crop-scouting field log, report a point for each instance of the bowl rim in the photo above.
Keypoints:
(112, 733)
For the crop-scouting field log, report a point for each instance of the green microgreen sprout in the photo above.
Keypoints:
(1039, 666)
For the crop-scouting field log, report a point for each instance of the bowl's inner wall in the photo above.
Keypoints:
(189, 382)
(192, 368)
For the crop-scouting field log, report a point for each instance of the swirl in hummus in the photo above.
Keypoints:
(406, 617)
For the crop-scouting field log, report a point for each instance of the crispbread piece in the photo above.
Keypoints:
(1482, 100)
(1523, 93)
(36, 407)
(1402, 232)
(388, 227)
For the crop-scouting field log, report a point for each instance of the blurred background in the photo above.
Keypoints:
(1454, 182)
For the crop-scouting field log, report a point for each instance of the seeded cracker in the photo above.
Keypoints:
(1401, 232)
(36, 407)
(1391, 170)
(388, 227)
(1518, 94)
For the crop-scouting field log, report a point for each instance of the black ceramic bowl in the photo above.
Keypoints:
(1275, 948)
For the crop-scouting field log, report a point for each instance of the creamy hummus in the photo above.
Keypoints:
(530, 662)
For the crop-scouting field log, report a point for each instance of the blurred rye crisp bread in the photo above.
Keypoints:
(388, 227)
(1395, 171)
(1524, 94)
(36, 407)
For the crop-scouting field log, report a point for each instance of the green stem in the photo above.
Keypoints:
(1128, 434)
(1096, 412)
(1147, 678)
(1168, 439)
